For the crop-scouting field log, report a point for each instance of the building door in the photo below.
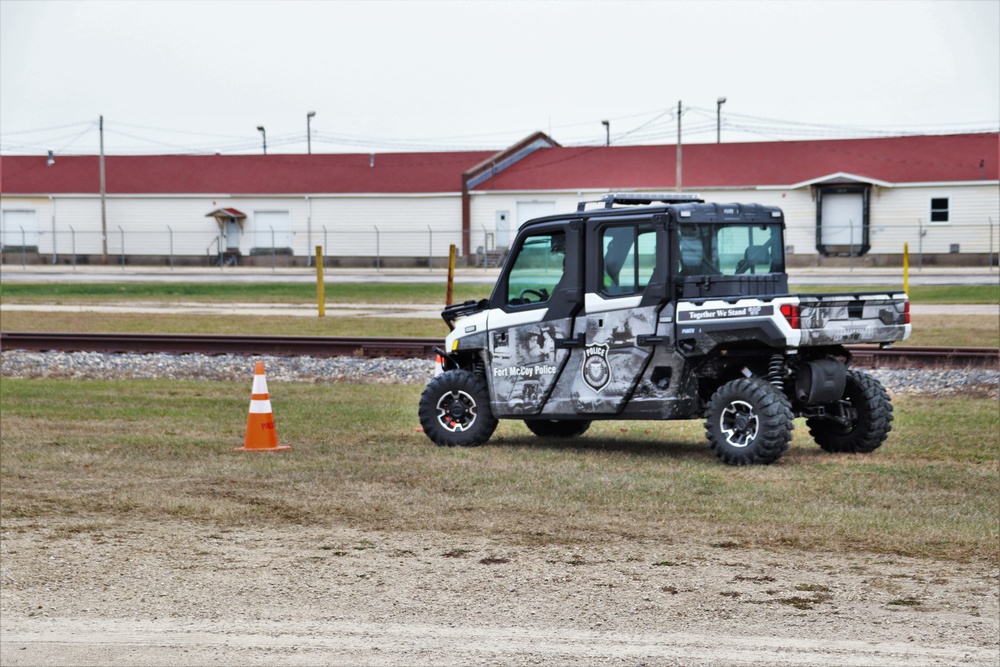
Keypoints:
(272, 229)
(529, 210)
(20, 229)
(503, 230)
(232, 234)
(842, 221)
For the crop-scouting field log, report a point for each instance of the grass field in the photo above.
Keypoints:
(227, 292)
(402, 293)
(96, 452)
(946, 330)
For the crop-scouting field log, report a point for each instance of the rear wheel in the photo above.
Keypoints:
(455, 410)
(557, 428)
(860, 422)
(748, 421)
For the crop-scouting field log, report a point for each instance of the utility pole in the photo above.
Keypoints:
(104, 209)
(309, 144)
(263, 134)
(679, 146)
(718, 119)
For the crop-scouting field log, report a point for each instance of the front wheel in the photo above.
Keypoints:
(557, 428)
(455, 410)
(748, 421)
(860, 422)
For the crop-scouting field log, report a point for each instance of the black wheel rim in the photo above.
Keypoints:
(456, 411)
(739, 424)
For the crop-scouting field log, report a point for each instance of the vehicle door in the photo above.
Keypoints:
(531, 317)
(625, 288)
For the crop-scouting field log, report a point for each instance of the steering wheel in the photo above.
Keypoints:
(542, 294)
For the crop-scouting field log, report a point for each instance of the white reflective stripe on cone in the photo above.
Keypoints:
(259, 384)
(260, 407)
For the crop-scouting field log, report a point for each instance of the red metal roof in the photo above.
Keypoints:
(896, 160)
(226, 213)
(917, 159)
(388, 173)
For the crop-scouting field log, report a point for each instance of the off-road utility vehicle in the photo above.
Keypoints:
(662, 307)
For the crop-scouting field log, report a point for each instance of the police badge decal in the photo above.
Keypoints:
(596, 371)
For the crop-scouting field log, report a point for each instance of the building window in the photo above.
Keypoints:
(939, 211)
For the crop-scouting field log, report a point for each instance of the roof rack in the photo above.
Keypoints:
(640, 198)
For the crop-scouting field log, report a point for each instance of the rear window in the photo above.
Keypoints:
(735, 249)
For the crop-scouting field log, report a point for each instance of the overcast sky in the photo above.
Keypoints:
(183, 76)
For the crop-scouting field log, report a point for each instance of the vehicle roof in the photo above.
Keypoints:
(684, 213)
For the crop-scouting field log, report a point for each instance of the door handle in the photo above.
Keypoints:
(650, 340)
(569, 343)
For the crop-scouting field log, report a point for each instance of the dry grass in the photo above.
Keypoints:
(89, 453)
(956, 330)
(949, 330)
(223, 324)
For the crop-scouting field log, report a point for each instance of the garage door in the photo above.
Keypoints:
(529, 210)
(272, 224)
(13, 224)
(843, 220)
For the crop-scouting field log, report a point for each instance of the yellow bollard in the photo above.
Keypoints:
(451, 276)
(320, 296)
(906, 268)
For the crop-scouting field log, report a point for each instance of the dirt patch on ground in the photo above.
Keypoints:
(186, 594)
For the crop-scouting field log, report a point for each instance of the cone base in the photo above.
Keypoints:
(261, 449)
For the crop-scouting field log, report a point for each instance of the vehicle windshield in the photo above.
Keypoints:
(734, 249)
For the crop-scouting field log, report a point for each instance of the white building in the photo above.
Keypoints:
(863, 198)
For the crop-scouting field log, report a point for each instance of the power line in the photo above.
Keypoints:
(660, 127)
(39, 130)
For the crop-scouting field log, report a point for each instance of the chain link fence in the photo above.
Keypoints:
(384, 247)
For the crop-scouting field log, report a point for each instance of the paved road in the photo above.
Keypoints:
(14, 273)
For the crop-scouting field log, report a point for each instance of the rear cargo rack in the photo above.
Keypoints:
(641, 198)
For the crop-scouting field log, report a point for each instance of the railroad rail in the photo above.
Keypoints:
(412, 348)
(925, 357)
(313, 346)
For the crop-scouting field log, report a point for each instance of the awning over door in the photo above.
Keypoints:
(224, 215)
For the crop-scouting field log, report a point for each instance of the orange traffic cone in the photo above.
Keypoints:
(261, 435)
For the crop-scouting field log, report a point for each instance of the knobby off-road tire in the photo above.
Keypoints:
(557, 428)
(455, 410)
(870, 423)
(748, 421)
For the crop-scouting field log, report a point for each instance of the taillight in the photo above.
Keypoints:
(791, 314)
(906, 312)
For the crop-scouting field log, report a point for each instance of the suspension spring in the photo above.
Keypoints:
(776, 372)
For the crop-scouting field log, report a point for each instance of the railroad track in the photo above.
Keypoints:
(413, 348)
(313, 346)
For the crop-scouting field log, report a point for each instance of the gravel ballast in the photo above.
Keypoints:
(100, 366)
